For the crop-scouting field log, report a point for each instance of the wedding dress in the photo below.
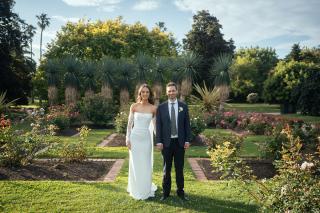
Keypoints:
(140, 134)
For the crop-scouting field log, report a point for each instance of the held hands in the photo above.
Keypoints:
(159, 146)
(186, 145)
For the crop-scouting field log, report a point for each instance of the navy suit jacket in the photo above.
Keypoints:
(163, 124)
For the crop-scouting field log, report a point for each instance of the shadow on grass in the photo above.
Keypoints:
(202, 203)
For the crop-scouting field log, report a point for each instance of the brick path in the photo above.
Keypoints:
(107, 140)
(197, 169)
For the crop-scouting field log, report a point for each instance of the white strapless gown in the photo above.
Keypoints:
(140, 184)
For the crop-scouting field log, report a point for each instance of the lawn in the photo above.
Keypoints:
(259, 107)
(59, 196)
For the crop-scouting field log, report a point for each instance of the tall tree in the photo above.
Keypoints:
(31, 31)
(189, 64)
(14, 66)
(295, 53)
(221, 71)
(106, 70)
(43, 23)
(205, 39)
(52, 70)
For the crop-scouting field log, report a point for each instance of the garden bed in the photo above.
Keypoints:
(261, 169)
(55, 170)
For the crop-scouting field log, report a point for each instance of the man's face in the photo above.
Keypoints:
(172, 92)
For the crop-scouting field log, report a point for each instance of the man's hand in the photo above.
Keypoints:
(159, 146)
(186, 145)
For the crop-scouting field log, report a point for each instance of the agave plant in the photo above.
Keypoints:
(209, 98)
(144, 65)
(52, 69)
(161, 66)
(125, 69)
(189, 63)
(221, 71)
(175, 71)
(3, 104)
(88, 71)
(106, 70)
(71, 80)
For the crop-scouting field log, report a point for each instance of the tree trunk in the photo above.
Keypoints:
(40, 46)
(106, 91)
(88, 93)
(71, 95)
(157, 92)
(52, 95)
(186, 89)
(124, 97)
(223, 91)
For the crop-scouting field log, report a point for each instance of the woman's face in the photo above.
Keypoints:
(145, 93)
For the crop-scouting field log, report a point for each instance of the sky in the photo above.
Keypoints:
(264, 23)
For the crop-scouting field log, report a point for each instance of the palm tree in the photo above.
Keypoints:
(52, 70)
(189, 63)
(221, 72)
(125, 72)
(107, 68)
(31, 31)
(71, 80)
(161, 66)
(43, 22)
(88, 71)
(175, 71)
(144, 64)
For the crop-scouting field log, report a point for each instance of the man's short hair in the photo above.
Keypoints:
(172, 84)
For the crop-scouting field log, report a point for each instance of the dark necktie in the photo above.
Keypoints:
(173, 120)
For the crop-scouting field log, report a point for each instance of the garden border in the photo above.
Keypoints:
(109, 177)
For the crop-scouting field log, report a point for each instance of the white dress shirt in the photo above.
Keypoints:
(175, 105)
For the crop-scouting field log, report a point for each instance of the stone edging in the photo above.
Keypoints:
(109, 177)
(197, 169)
(107, 140)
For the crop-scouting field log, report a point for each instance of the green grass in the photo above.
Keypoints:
(254, 146)
(260, 107)
(59, 196)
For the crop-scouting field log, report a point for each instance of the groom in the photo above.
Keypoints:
(173, 136)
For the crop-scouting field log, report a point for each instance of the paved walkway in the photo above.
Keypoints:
(197, 169)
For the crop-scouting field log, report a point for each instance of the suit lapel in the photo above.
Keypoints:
(179, 116)
(166, 111)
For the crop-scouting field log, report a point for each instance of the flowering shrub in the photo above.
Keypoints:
(19, 149)
(121, 122)
(307, 133)
(296, 188)
(62, 116)
(4, 122)
(197, 125)
(76, 152)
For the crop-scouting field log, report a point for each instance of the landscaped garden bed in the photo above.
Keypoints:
(57, 170)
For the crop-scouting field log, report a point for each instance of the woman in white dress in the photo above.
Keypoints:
(139, 140)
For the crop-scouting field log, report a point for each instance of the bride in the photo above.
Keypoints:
(139, 140)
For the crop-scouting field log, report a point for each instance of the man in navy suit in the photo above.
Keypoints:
(173, 137)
